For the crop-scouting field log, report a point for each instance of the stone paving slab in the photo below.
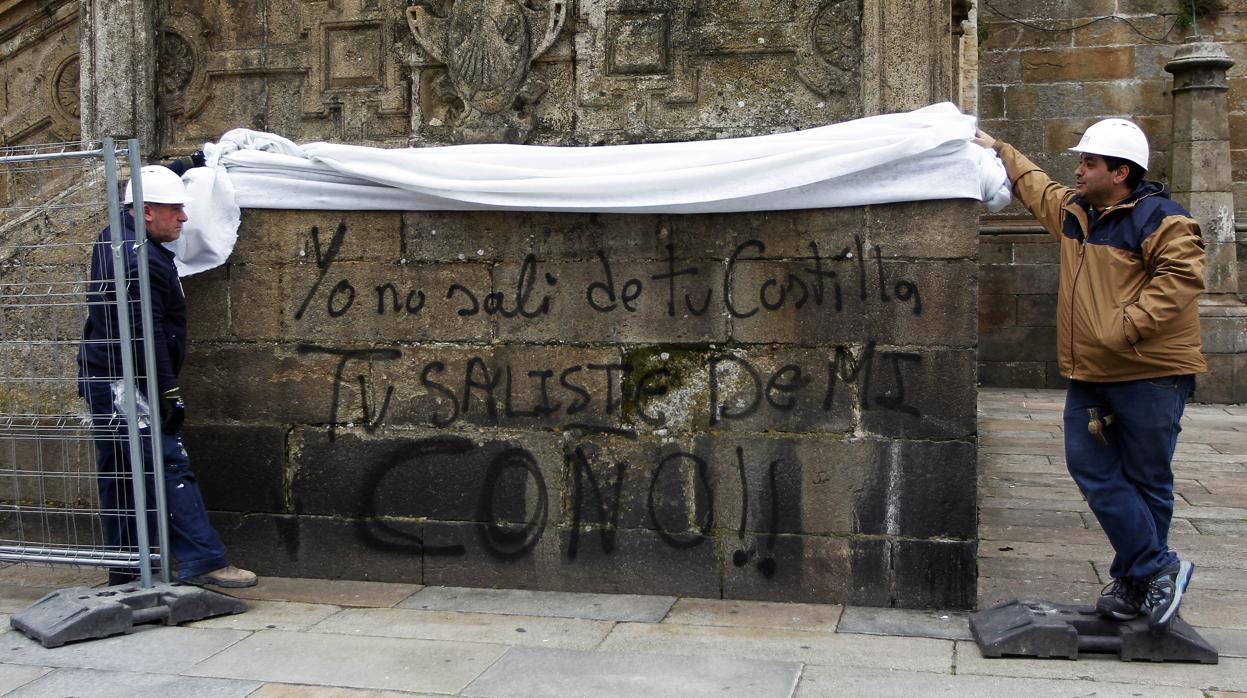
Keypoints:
(633, 608)
(294, 690)
(337, 592)
(563, 633)
(1038, 534)
(355, 662)
(15, 598)
(904, 653)
(149, 649)
(836, 682)
(993, 590)
(271, 615)
(14, 676)
(1212, 608)
(756, 614)
(1036, 518)
(1076, 506)
(1230, 674)
(538, 673)
(86, 683)
(943, 625)
(1229, 642)
(32, 574)
(1214, 527)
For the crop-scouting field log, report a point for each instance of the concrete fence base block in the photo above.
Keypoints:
(1035, 628)
(84, 613)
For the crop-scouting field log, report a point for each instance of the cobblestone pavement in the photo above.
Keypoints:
(303, 637)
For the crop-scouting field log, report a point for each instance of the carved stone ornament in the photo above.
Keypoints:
(62, 95)
(831, 54)
(181, 81)
(487, 47)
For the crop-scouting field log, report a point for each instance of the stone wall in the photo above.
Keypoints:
(768, 405)
(1039, 90)
(772, 405)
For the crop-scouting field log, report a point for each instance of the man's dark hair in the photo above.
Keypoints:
(1136, 173)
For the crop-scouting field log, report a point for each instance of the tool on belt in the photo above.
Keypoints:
(1097, 425)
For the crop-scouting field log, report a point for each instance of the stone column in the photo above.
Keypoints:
(1202, 181)
(907, 56)
(118, 67)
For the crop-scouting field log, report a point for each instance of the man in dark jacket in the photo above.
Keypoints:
(195, 545)
(1132, 269)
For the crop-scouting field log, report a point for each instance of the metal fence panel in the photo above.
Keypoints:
(54, 200)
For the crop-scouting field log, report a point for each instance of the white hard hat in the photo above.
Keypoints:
(161, 185)
(1116, 138)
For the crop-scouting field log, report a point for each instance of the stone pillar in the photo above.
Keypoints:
(1202, 181)
(118, 67)
(907, 57)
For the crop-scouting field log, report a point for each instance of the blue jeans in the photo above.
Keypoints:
(193, 541)
(1128, 482)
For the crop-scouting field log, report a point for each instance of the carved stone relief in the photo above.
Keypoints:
(681, 69)
(485, 92)
(39, 78)
(311, 69)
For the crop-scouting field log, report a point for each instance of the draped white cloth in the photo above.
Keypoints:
(920, 155)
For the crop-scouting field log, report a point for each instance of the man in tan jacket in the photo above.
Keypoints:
(1132, 269)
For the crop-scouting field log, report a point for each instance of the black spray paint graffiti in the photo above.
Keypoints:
(484, 393)
(504, 538)
(826, 282)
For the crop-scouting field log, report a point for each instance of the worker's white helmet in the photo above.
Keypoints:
(1116, 138)
(161, 185)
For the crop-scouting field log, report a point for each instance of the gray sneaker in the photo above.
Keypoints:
(1120, 600)
(228, 576)
(1164, 595)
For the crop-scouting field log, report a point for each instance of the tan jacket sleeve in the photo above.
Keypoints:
(1174, 254)
(1034, 188)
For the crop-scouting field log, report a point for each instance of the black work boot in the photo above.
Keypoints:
(1164, 595)
(1120, 600)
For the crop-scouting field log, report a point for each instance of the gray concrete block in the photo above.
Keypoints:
(354, 662)
(537, 673)
(632, 608)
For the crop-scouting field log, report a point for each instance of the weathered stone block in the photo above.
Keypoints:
(261, 383)
(307, 546)
(1083, 64)
(996, 311)
(317, 238)
(207, 317)
(430, 477)
(1019, 344)
(521, 387)
(922, 229)
(256, 302)
(870, 298)
(1037, 310)
(675, 301)
(934, 574)
(1002, 279)
(806, 569)
(449, 302)
(921, 395)
(239, 468)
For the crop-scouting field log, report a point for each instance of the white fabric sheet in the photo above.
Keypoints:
(921, 155)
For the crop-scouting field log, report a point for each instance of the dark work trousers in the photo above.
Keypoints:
(194, 542)
(1128, 483)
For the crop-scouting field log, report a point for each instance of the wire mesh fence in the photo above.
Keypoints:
(54, 201)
